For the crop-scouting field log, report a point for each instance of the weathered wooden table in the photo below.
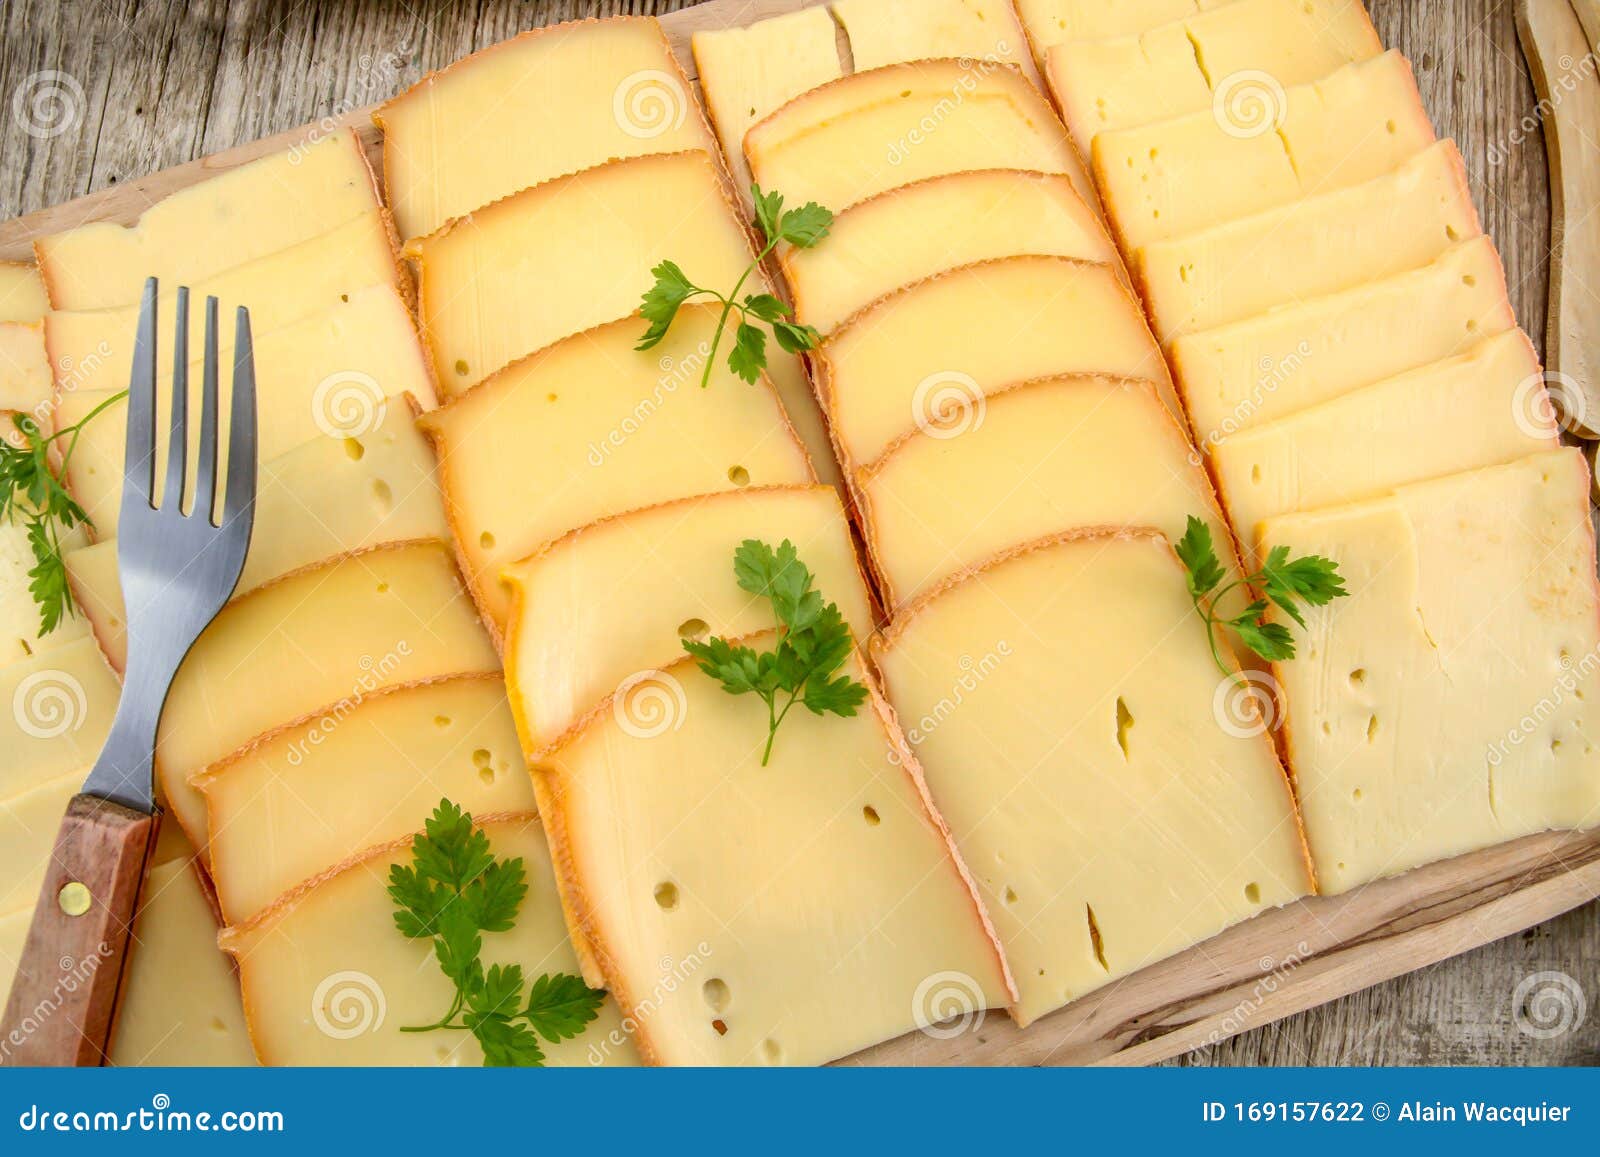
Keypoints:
(96, 91)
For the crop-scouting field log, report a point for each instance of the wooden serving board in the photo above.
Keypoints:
(1282, 962)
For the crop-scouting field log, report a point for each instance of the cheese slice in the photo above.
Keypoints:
(313, 643)
(24, 370)
(1399, 221)
(21, 634)
(820, 893)
(1237, 58)
(568, 650)
(57, 711)
(904, 235)
(592, 427)
(893, 31)
(29, 821)
(878, 130)
(1181, 175)
(1054, 455)
(1117, 818)
(310, 795)
(928, 354)
(1479, 408)
(1052, 22)
(179, 1003)
(746, 73)
(1450, 702)
(1276, 363)
(22, 299)
(329, 497)
(13, 934)
(259, 208)
(328, 980)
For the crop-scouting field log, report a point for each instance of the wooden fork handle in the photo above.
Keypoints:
(65, 993)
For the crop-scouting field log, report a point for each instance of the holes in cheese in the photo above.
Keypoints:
(1052, 22)
(314, 642)
(592, 427)
(903, 236)
(1264, 367)
(670, 569)
(1186, 173)
(830, 934)
(1474, 625)
(926, 356)
(298, 801)
(1399, 221)
(24, 371)
(268, 205)
(876, 130)
(1482, 407)
(61, 703)
(328, 980)
(22, 298)
(1018, 669)
(543, 104)
(892, 31)
(313, 503)
(29, 820)
(1032, 462)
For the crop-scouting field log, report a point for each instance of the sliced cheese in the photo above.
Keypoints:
(1180, 175)
(1052, 22)
(24, 370)
(179, 1003)
(591, 427)
(21, 627)
(877, 130)
(818, 894)
(1264, 367)
(927, 355)
(1401, 220)
(904, 235)
(308, 796)
(1479, 408)
(313, 643)
(13, 934)
(22, 298)
(29, 821)
(1050, 456)
(1062, 701)
(259, 208)
(328, 980)
(568, 648)
(55, 711)
(1451, 701)
(893, 31)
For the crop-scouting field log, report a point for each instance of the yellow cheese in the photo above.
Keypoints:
(877, 130)
(818, 896)
(22, 298)
(313, 643)
(1264, 367)
(328, 980)
(927, 355)
(1117, 818)
(1037, 459)
(179, 1003)
(301, 800)
(259, 208)
(57, 708)
(569, 649)
(20, 623)
(904, 235)
(328, 497)
(543, 104)
(1479, 408)
(29, 821)
(1052, 22)
(24, 370)
(746, 73)
(1450, 702)
(893, 31)
(1184, 174)
(13, 933)
(1401, 220)
(592, 427)
(1237, 59)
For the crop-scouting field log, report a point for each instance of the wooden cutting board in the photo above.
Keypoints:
(1282, 962)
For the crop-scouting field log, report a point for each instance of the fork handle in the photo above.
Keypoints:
(65, 993)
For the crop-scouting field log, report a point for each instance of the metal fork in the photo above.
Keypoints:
(178, 570)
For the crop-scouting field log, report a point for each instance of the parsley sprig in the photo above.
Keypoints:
(452, 892)
(33, 496)
(1284, 582)
(814, 643)
(803, 228)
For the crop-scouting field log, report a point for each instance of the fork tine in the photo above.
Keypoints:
(178, 447)
(205, 485)
(241, 495)
(139, 451)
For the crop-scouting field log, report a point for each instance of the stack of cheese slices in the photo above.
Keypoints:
(1051, 783)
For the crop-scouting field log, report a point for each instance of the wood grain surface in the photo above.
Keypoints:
(99, 93)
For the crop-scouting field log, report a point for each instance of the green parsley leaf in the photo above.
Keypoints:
(505, 1043)
(661, 301)
(805, 226)
(749, 354)
(1199, 559)
(766, 307)
(560, 1006)
(793, 338)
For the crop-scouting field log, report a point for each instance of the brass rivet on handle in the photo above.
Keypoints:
(74, 898)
